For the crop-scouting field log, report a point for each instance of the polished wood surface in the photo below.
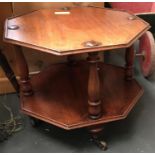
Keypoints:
(61, 95)
(94, 96)
(77, 30)
(36, 60)
(77, 94)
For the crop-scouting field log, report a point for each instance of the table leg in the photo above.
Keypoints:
(129, 58)
(94, 99)
(23, 71)
(96, 134)
(8, 71)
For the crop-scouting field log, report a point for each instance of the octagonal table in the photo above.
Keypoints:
(77, 94)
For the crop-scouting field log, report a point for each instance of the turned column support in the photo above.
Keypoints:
(23, 71)
(94, 99)
(129, 58)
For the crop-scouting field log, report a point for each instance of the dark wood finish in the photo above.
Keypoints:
(8, 71)
(94, 98)
(96, 134)
(64, 102)
(71, 59)
(96, 131)
(129, 57)
(25, 84)
(66, 33)
(90, 93)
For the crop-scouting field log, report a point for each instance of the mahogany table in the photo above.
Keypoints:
(77, 94)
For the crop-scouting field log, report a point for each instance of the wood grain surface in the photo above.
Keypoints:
(61, 95)
(64, 32)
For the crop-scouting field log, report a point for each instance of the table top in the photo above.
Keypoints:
(74, 30)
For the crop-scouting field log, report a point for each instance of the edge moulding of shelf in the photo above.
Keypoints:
(64, 102)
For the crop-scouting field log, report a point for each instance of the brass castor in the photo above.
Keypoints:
(100, 143)
(97, 136)
(35, 122)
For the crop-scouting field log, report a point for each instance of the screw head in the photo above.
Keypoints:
(91, 43)
(13, 27)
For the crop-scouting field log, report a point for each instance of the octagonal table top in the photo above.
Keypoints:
(74, 30)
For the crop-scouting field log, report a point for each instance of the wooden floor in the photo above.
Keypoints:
(63, 102)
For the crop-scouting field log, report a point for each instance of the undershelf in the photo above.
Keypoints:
(60, 95)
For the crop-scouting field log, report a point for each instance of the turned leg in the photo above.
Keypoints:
(97, 136)
(8, 71)
(94, 99)
(129, 58)
(23, 71)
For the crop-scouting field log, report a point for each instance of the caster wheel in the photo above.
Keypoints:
(147, 49)
(34, 122)
(100, 143)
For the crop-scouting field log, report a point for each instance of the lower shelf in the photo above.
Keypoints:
(60, 95)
